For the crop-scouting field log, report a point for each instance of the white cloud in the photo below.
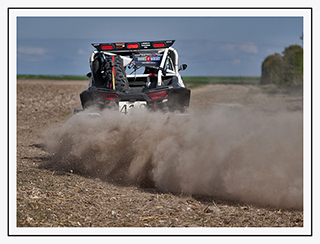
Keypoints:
(81, 51)
(31, 51)
(236, 61)
(249, 47)
(229, 47)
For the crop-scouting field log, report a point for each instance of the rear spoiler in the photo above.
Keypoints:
(119, 46)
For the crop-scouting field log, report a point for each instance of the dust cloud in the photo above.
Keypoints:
(230, 151)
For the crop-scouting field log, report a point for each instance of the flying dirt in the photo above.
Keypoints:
(228, 150)
(234, 161)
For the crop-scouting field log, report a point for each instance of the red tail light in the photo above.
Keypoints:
(157, 95)
(108, 96)
(107, 47)
(161, 44)
(131, 46)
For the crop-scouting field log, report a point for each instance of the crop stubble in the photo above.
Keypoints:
(52, 197)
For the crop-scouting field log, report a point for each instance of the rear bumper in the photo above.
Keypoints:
(173, 99)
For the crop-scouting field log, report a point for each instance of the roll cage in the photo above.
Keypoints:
(158, 73)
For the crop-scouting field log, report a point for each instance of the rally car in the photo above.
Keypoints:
(128, 75)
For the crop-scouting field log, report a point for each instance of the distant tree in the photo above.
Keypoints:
(286, 69)
(293, 58)
(272, 69)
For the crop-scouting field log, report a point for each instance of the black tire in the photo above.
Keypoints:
(98, 80)
(121, 81)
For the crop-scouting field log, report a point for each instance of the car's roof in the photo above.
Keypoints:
(133, 52)
(127, 48)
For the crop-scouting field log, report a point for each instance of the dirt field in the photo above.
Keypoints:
(235, 162)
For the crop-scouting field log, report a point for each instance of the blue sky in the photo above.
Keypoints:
(217, 46)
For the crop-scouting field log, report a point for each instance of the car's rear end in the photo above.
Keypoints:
(157, 88)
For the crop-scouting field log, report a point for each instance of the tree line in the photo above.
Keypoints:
(286, 69)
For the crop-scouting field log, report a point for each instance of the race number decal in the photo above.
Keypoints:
(124, 107)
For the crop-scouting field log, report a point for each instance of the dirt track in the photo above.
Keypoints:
(53, 198)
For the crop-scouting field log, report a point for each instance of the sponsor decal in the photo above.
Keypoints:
(120, 45)
(145, 44)
(147, 58)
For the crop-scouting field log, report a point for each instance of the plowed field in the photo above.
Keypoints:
(235, 161)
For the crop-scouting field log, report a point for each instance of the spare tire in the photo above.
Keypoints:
(121, 81)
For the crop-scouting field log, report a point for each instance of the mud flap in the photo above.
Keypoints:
(178, 99)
